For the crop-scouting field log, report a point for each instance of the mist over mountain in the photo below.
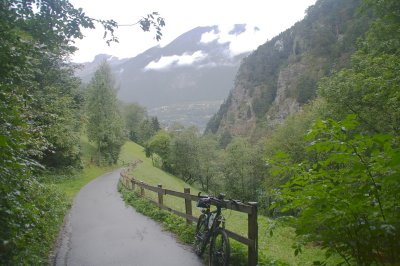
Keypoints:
(196, 69)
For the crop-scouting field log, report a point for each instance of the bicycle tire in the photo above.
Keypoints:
(219, 249)
(200, 235)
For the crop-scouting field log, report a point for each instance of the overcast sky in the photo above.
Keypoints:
(270, 16)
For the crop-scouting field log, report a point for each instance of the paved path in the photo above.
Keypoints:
(101, 230)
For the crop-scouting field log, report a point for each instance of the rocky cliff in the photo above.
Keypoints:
(281, 76)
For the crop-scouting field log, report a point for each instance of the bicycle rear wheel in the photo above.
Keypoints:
(219, 249)
(200, 235)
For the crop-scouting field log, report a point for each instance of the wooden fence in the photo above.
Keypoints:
(250, 208)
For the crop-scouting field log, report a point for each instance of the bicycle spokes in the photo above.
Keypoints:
(220, 250)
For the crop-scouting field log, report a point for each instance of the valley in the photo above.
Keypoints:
(183, 82)
(187, 114)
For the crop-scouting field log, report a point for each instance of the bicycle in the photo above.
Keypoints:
(210, 229)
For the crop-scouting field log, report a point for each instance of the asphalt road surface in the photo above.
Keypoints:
(101, 230)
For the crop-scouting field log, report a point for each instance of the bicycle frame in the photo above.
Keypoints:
(210, 227)
(218, 218)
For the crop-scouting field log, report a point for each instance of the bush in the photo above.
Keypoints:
(31, 225)
(347, 197)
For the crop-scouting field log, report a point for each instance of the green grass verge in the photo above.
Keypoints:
(274, 249)
(71, 184)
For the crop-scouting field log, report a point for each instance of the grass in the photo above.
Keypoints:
(71, 184)
(273, 250)
(151, 175)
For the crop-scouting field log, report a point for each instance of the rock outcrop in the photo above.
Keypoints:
(278, 78)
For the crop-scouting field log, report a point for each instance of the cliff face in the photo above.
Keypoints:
(281, 76)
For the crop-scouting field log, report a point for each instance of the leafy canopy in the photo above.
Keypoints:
(347, 200)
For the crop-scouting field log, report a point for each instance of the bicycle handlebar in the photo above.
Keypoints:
(219, 201)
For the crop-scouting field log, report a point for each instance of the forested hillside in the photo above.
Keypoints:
(281, 76)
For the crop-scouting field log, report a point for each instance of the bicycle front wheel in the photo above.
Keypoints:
(219, 249)
(200, 235)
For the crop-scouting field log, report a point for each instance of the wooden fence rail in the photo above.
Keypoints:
(250, 208)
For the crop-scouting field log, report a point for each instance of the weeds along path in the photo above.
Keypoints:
(101, 230)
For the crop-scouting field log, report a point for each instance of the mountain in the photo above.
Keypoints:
(280, 76)
(196, 69)
(86, 70)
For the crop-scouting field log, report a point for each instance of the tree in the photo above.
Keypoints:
(225, 139)
(241, 179)
(184, 159)
(29, 42)
(289, 139)
(305, 89)
(345, 190)
(105, 126)
(56, 109)
(155, 124)
(38, 108)
(159, 144)
(147, 128)
(370, 88)
(133, 114)
(347, 199)
(209, 159)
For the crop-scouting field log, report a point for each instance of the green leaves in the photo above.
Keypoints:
(153, 20)
(105, 125)
(345, 200)
(243, 169)
(159, 144)
(370, 90)
(40, 120)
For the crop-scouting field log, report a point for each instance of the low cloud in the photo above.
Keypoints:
(209, 37)
(239, 42)
(176, 60)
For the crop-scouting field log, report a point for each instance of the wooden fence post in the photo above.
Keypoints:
(133, 183)
(128, 183)
(141, 189)
(188, 205)
(160, 195)
(253, 235)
